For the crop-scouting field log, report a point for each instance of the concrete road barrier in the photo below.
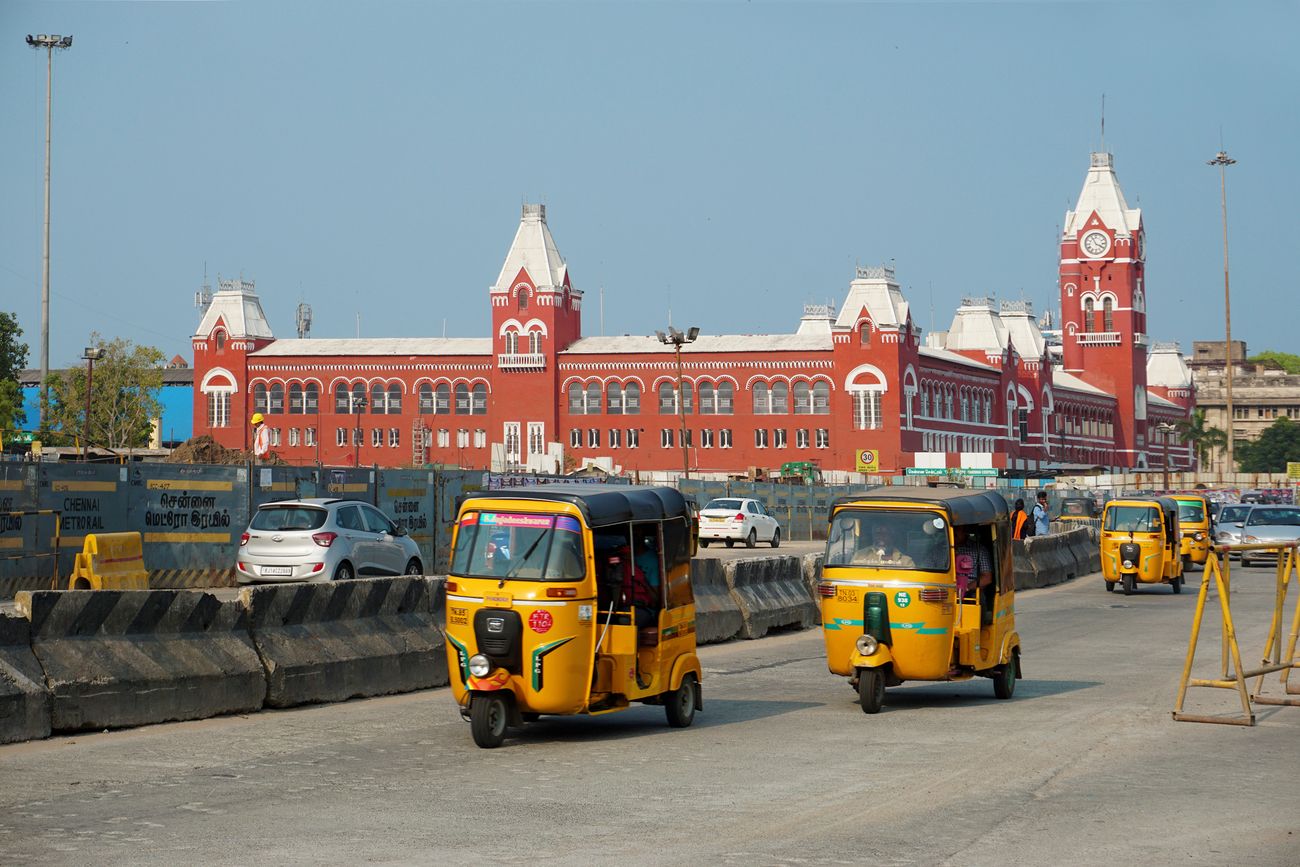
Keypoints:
(117, 658)
(770, 593)
(24, 700)
(717, 615)
(346, 639)
(812, 576)
(1025, 576)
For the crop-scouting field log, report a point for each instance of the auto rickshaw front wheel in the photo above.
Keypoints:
(1004, 682)
(871, 689)
(1130, 584)
(488, 716)
(679, 704)
(1110, 586)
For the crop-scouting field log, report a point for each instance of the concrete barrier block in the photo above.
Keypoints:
(1026, 577)
(24, 699)
(117, 658)
(347, 639)
(770, 593)
(717, 614)
(1045, 555)
(812, 576)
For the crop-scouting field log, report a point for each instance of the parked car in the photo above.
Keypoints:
(1228, 522)
(1269, 524)
(734, 519)
(323, 540)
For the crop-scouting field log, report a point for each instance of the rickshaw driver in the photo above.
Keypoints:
(974, 566)
(882, 551)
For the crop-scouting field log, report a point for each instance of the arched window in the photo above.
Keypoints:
(614, 399)
(220, 337)
(478, 397)
(394, 399)
(667, 402)
(1108, 315)
(260, 401)
(535, 342)
(442, 400)
(762, 398)
(523, 299)
(311, 399)
(575, 399)
(707, 397)
(378, 401)
(780, 398)
(1088, 312)
(593, 398)
(462, 399)
(512, 341)
(726, 397)
(358, 404)
(866, 334)
(295, 399)
(426, 399)
(821, 398)
(277, 398)
(802, 398)
(342, 403)
(925, 400)
(632, 399)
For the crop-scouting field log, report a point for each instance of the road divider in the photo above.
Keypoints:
(24, 700)
(345, 639)
(116, 658)
(717, 614)
(770, 593)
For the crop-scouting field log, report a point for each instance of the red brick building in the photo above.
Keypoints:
(991, 392)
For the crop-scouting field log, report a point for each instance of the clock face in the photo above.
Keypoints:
(1095, 243)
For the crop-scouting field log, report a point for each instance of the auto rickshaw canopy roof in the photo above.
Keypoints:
(963, 506)
(604, 505)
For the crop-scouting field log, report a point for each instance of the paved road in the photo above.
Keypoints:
(1083, 766)
(788, 548)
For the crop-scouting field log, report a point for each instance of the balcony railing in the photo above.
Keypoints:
(522, 361)
(1098, 338)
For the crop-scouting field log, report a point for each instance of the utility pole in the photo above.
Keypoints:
(676, 340)
(49, 43)
(1222, 160)
(90, 354)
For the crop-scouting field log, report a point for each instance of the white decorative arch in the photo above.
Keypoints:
(1026, 397)
(208, 385)
(535, 325)
(510, 325)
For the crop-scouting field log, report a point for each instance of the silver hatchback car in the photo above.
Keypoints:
(323, 540)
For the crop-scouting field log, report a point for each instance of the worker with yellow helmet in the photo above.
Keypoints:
(261, 435)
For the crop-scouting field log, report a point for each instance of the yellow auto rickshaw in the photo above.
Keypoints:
(571, 600)
(1194, 526)
(917, 584)
(1140, 543)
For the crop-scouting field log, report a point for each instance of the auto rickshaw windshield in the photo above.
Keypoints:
(1190, 512)
(519, 547)
(884, 539)
(1138, 519)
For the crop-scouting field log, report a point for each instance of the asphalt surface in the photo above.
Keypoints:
(1083, 766)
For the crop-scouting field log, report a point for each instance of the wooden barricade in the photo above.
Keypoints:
(110, 561)
(1275, 658)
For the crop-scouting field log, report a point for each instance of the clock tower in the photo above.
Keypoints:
(1103, 302)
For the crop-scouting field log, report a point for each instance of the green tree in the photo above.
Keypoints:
(123, 396)
(1202, 437)
(1278, 444)
(13, 358)
(1272, 358)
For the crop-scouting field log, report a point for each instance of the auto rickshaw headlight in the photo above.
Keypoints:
(1200, 537)
(866, 644)
(479, 665)
(1128, 564)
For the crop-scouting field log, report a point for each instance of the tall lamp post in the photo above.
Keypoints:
(1222, 160)
(677, 340)
(358, 407)
(1166, 428)
(49, 43)
(91, 354)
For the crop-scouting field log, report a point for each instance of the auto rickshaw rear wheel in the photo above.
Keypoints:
(1130, 583)
(488, 716)
(871, 689)
(1004, 682)
(1177, 584)
(679, 704)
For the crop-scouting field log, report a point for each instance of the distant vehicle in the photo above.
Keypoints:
(1269, 524)
(323, 540)
(800, 473)
(1228, 524)
(735, 519)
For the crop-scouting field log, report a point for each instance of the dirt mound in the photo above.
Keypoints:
(204, 450)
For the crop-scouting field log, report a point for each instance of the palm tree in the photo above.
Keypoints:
(1203, 438)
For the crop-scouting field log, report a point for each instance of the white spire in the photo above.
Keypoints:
(237, 305)
(534, 250)
(1101, 193)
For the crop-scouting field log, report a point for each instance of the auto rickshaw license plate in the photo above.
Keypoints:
(846, 594)
(498, 600)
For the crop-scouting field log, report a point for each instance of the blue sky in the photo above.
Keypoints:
(731, 160)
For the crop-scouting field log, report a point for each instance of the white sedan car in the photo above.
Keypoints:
(733, 520)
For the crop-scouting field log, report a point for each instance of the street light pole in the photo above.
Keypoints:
(49, 43)
(90, 354)
(676, 339)
(1222, 160)
(1166, 429)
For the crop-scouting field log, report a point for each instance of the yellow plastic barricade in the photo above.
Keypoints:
(1274, 658)
(110, 561)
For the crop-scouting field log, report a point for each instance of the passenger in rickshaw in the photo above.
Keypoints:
(645, 577)
(974, 564)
